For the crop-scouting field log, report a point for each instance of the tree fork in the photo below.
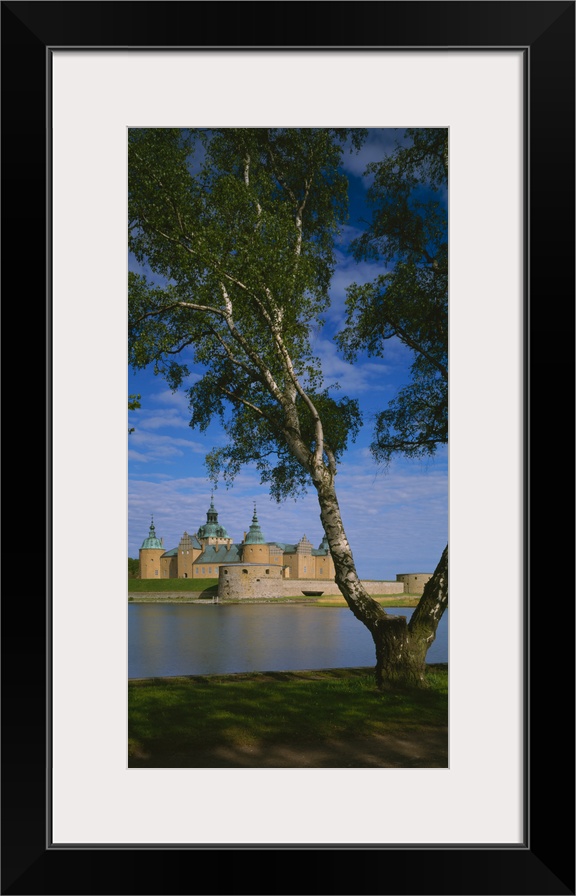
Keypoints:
(396, 661)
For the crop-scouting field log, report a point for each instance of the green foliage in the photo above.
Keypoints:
(408, 233)
(240, 249)
(133, 568)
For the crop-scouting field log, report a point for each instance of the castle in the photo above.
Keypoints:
(204, 553)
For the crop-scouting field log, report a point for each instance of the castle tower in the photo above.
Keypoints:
(188, 550)
(323, 561)
(212, 533)
(150, 553)
(305, 562)
(254, 547)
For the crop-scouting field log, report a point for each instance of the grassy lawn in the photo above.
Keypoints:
(194, 716)
(393, 600)
(136, 586)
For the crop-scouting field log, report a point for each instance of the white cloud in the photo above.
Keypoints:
(379, 143)
(152, 446)
(178, 399)
(365, 375)
(346, 273)
(347, 235)
(170, 418)
(352, 378)
(137, 456)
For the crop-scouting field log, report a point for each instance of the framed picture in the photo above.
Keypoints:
(501, 78)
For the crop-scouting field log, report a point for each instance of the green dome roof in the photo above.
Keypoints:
(255, 532)
(212, 528)
(152, 541)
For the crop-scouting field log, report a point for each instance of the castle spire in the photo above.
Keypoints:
(152, 542)
(255, 535)
(212, 528)
(212, 515)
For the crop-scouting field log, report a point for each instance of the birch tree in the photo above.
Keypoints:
(237, 228)
(408, 301)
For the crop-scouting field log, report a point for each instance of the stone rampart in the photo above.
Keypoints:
(255, 580)
(249, 580)
(414, 581)
(256, 583)
(295, 587)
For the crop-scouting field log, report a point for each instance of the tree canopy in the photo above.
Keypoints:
(408, 234)
(242, 241)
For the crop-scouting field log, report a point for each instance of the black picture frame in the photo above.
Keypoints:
(544, 863)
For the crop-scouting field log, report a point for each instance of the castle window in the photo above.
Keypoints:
(210, 570)
(244, 572)
(304, 569)
(203, 570)
(267, 572)
(155, 572)
(225, 572)
(321, 571)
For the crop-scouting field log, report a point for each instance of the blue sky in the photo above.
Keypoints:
(396, 519)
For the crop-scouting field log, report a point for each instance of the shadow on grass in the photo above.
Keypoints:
(324, 718)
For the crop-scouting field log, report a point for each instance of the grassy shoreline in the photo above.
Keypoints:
(331, 600)
(386, 600)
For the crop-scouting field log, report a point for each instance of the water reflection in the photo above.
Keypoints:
(192, 639)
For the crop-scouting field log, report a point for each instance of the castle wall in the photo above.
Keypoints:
(276, 555)
(292, 587)
(186, 559)
(245, 580)
(187, 554)
(206, 570)
(300, 565)
(169, 567)
(325, 568)
(414, 582)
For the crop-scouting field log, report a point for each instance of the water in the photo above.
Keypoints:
(193, 639)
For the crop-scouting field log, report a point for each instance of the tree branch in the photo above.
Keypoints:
(192, 305)
(419, 348)
(234, 396)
